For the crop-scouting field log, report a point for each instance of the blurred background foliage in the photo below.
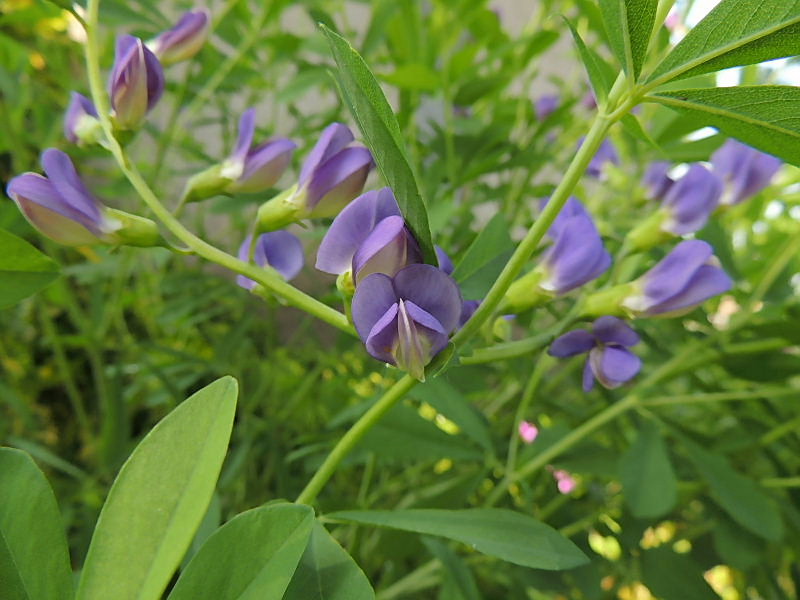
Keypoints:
(89, 365)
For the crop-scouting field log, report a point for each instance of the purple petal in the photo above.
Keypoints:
(606, 153)
(382, 338)
(572, 343)
(572, 208)
(432, 290)
(335, 137)
(468, 308)
(338, 180)
(68, 184)
(42, 206)
(588, 375)
(419, 337)
(547, 105)
(657, 180)
(445, 263)
(155, 78)
(706, 282)
(613, 366)
(264, 165)
(185, 39)
(79, 107)
(671, 275)
(692, 199)
(387, 249)
(247, 128)
(351, 227)
(281, 250)
(611, 330)
(577, 257)
(129, 81)
(745, 170)
(373, 298)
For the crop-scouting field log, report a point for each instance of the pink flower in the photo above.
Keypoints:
(566, 482)
(528, 432)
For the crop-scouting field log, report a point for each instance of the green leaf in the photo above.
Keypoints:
(738, 495)
(23, 269)
(378, 124)
(648, 481)
(629, 24)
(484, 259)
(671, 576)
(159, 498)
(458, 582)
(735, 33)
(504, 534)
(253, 556)
(34, 560)
(413, 76)
(766, 117)
(601, 75)
(327, 572)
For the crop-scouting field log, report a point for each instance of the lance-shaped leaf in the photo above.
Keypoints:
(23, 269)
(504, 534)
(739, 496)
(34, 561)
(159, 499)
(649, 483)
(629, 24)
(327, 572)
(252, 556)
(377, 122)
(735, 33)
(601, 74)
(766, 117)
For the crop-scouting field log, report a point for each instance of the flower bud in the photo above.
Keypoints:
(184, 40)
(407, 319)
(81, 125)
(137, 82)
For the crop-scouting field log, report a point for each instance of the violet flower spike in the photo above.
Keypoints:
(59, 205)
(280, 250)
(609, 360)
(81, 124)
(407, 319)
(184, 40)
(681, 281)
(136, 84)
(334, 172)
(546, 105)
(577, 256)
(368, 236)
(744, 171)
(690, 201)
(256, 168)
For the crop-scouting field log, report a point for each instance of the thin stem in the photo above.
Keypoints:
(781, 482)
(353, 436)
(527, 397)
(765, 393)
(266, 277)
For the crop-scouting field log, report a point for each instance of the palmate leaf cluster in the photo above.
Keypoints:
(702, 474)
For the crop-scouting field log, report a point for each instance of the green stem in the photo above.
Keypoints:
(353, 436)
(268, 278)
(522, 407)
(765, 394)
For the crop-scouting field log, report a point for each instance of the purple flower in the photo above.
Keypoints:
(657, 179)
(334, 172)
(406, 320)
(368, 236)
(609, 361)
(184, 40)
(59, 205)
(445, 262)
(80, 122)
(744, 170)
(256, 168)
(691, 200)
(577, 255)
(546, 105)
(684, 279)
(137, 82)
(606, 153)
(281, 250)
(468, 308)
